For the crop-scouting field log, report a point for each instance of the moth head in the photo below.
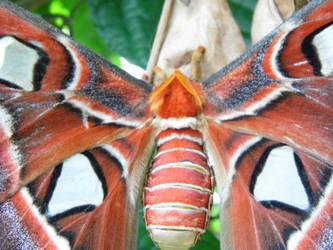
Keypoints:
(177, 97)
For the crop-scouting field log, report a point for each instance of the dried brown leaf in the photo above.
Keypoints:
(206, 23)
(268, 15)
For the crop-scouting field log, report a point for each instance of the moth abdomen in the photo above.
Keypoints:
(178, 191)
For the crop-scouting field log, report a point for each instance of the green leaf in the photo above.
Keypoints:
(127, 26)
(243, 12)
(39, 6)
(214, 222)
(208, 241)
(144, 241)
(85, 32)
(57, 7)
(83, 29)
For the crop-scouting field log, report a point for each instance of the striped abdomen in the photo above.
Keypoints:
(178, 191)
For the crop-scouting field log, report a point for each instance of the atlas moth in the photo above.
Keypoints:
(262, 125)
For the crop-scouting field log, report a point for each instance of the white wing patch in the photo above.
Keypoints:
(280, 181)
(17, 62)
(324, 46)
(77, 185)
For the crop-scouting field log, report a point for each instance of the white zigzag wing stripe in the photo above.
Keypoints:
(274, 57)
(253, 109)
(106, 118)
(119, 156)
(6, 122)
(297, 236)
(61, 242)
(77, 66)
(7, 127)
(232, 172)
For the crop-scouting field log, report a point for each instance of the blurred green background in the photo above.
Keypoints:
(126, 28)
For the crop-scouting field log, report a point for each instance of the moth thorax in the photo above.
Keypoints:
(178, 191)
(177, 97)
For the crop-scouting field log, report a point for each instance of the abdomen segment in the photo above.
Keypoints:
(178, 190)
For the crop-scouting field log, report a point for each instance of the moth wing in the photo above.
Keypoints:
(282, 89)
(89, 201)
(274, 107)
(57, 98)
(273, 196)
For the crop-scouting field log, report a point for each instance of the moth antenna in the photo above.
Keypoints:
(196, 69)
(145, 77)
(159, 75)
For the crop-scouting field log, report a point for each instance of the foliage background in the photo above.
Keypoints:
(126, 28)
(114, 28)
